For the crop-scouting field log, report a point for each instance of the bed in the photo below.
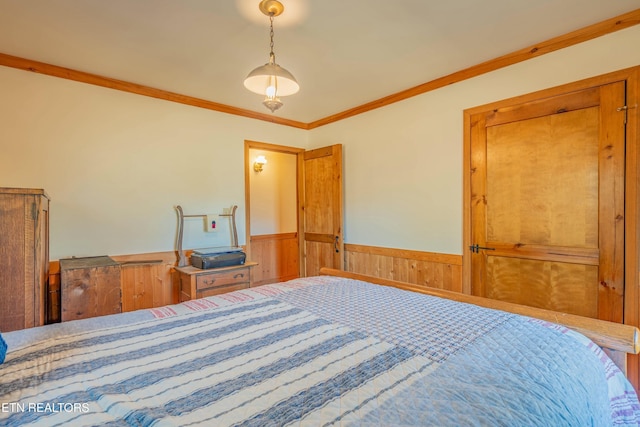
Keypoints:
(316, 351)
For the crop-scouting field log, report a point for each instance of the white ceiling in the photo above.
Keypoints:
(344, 53)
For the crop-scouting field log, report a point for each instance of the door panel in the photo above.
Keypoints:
(559, 286)
(547, 203)
(322, 212)
(542, 185)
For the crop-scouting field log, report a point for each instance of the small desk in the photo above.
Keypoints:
(198, 283)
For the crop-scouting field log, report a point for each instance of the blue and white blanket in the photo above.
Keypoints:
(315, 351)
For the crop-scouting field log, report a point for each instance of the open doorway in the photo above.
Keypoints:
(272, 193)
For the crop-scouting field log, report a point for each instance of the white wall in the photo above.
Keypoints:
(115, 164)
(403, 163)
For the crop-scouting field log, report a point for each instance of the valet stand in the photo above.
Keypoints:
(182, 259)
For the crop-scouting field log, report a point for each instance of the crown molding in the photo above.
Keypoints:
(590, 32)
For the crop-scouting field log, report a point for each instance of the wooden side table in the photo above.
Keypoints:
(198, 283)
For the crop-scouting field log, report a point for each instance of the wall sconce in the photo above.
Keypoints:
(259, 163)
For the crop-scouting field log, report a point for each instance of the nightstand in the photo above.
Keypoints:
(198, 283)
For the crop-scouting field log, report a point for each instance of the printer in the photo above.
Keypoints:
(224, 256)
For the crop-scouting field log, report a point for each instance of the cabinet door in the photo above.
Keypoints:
(24, 256)
(14, 291)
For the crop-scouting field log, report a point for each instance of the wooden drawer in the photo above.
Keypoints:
(224, 278)
(197, 283)
(221, 290)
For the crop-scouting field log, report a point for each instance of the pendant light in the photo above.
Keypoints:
(270, 79)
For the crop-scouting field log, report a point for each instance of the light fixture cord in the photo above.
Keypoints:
(272, 56)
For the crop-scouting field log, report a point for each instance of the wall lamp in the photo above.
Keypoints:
(259, 163)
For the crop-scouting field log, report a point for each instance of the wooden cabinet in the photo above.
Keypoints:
(24, 257)
(197, 283)
(90, 287)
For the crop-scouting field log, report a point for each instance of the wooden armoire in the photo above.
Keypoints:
(24, 257)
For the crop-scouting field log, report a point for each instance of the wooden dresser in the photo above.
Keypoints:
(24, 257)
(197, 283)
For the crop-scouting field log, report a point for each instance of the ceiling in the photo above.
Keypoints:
(344, 53)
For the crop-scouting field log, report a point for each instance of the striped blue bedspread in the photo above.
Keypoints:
(314, 352)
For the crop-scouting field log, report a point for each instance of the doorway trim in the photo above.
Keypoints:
(248, 169)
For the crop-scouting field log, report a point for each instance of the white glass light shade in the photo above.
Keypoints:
(260, 79)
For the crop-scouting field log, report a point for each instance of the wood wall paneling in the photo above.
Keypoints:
(146, 285)
(277, 258)
(148, 280)
(425, 269)
(53, 293)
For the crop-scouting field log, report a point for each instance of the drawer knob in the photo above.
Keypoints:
(238, 275)
(209, 282)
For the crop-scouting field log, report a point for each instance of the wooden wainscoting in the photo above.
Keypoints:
(277, 258)
(148, 280)
(428, 269)
(147, 283)
(54, 313)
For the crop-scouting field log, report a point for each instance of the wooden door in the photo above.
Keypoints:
(321, 213)
(547, 203)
